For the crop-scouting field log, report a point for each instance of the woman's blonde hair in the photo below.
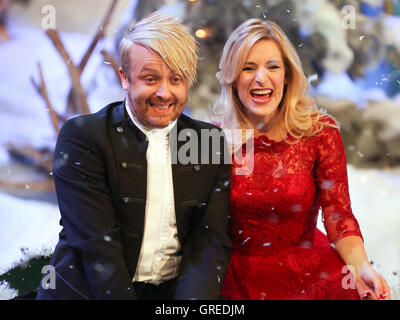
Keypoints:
(298, 111)
(167, 37)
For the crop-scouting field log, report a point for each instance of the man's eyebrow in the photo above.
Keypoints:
(149, 69)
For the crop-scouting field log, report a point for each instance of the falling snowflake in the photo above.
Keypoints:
(245, 240)
(327, 184)
(312, 77)
(99, 267)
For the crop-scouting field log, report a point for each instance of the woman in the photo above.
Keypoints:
(299, 167)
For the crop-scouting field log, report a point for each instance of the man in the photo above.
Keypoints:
(137, 225)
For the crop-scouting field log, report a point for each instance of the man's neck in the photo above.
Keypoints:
(143, 128)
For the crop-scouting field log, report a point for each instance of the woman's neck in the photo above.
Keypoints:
(273, 128)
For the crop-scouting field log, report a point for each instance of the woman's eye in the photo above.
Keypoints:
(274, 67)
(150, 79)
(248, 69)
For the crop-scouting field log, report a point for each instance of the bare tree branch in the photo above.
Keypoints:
(39, 159)
(42, 90)
(99, 35)
(36, 186)
(110, 60)
(79, 93)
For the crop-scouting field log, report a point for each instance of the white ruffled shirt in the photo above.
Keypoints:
(158, 259)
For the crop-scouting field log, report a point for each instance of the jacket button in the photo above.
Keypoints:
(201, 205)
(124, 165)
(196, 168)
(125, 199)
(120, 129)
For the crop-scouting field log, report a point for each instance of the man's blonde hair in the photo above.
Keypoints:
(167, 37)
(297, 112)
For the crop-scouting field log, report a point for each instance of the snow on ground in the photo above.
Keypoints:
(339, 86)
(28, 229)
(375, 199)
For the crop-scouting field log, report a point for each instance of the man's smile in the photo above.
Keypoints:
(161, 108)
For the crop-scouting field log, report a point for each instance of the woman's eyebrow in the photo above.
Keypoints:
(268, 62)
(273, 61)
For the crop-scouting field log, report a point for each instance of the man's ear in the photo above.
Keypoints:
(124, 79)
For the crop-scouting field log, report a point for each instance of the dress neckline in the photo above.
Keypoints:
(265, 137)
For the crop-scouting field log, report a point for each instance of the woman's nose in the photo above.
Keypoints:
(261, 75)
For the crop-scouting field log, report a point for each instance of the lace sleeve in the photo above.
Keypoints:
(332, 184)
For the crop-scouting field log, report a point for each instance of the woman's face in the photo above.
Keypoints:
(260, 84)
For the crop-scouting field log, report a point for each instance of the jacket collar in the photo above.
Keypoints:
(120, 118)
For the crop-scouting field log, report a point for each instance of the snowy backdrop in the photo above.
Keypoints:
(29, 215)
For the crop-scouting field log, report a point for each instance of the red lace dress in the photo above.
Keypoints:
(278, 253)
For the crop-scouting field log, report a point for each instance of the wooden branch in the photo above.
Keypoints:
(4, 37)
(79, 93)
(110, 60)
(99, 35)
(35, 186)
(42, 90)
(4, 5)
(29, 154)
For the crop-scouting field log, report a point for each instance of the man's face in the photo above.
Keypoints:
(156, 94)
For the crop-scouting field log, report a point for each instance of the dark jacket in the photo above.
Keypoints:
(100, 174)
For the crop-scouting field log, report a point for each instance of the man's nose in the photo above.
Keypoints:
(164, 92)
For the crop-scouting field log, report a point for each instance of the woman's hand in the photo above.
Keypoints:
(371, 285)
